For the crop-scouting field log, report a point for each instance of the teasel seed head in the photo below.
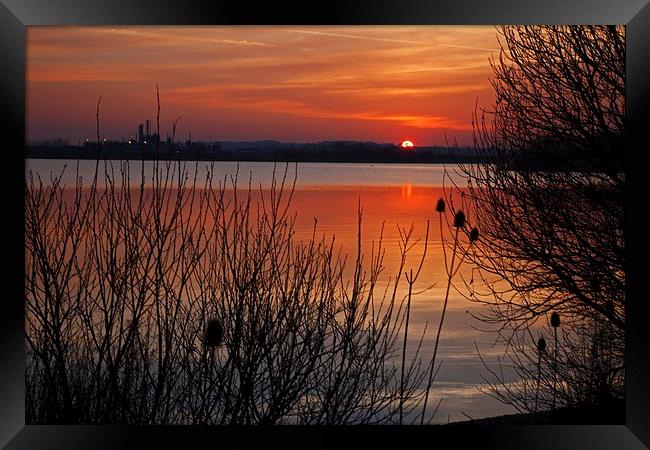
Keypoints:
(555, 320)
(541, 345)
(213, 333)
(473, 235)
(459, 219)
(440, 206)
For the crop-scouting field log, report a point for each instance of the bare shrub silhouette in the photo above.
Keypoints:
(130, 291)
(585, 372)
(549, 203)
(190, 301)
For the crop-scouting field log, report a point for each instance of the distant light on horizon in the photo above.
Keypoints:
(408, 144)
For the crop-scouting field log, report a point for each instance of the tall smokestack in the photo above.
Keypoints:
(148, 134)
(140, 134)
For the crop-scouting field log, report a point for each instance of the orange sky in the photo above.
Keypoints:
(293, 84)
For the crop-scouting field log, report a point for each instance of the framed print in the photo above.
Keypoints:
(301, 224)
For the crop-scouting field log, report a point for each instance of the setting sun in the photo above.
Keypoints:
(407, 144)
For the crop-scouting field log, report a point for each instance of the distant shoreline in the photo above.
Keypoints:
(337, 161)
(404, 157)
(611, 413)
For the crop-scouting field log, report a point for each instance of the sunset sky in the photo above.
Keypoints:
(292, 84)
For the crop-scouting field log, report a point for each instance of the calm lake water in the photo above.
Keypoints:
(392, 196)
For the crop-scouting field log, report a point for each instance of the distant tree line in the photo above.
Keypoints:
(332, 152)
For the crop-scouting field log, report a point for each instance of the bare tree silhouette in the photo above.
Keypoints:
(549, 198)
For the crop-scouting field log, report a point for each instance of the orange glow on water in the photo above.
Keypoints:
(407, 190)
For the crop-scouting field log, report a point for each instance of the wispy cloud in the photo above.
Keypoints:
(341, 110)
(353, 36)
(467, 47)
(176, 37)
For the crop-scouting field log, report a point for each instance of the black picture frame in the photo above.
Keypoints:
(15, 15)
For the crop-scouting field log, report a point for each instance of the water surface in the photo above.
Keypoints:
(391, 196)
